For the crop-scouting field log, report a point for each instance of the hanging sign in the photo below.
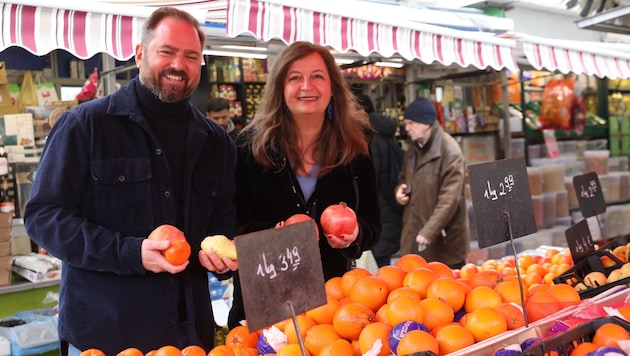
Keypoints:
(280, 269)
(589, 194)
(501, 195)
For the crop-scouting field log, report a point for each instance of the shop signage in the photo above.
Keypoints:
(580, 241)
(280, 272)
(502, 202)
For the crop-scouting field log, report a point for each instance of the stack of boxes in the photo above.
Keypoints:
(6, 220)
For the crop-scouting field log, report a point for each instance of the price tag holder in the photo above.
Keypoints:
(278, 267)
(580, 241)
(589, 194)
(500, 188)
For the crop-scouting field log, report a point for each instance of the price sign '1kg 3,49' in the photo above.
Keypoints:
(502, 202)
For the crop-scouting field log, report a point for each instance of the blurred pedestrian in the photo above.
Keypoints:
(218, 110)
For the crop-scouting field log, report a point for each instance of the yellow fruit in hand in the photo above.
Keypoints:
(221, 245)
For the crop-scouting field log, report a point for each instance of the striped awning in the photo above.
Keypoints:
(578, 57)
(41, 30)
(366, 32)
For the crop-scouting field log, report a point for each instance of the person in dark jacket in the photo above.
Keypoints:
(307, 148)
(387, 156)
(113, 169)
(218, 110)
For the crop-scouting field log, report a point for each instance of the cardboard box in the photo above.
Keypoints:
(6, 219)
(5, 277)
(5, 262)
(3, 73)
(5, 233)
(8, 110)
(5, 248)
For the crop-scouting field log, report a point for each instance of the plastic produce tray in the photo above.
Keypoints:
(564, 342)
(593, 263)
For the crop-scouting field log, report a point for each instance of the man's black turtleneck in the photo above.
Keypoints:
(169, 122)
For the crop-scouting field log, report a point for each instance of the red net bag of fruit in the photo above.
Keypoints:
(557, 104)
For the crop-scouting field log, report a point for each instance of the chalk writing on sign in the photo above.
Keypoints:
(583, 244)
(504, 187)
(588, 191)
(289, 260)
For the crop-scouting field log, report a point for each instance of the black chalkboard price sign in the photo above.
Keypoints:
(280, 270)
(501, 200)
(579, 240)
(589, 194)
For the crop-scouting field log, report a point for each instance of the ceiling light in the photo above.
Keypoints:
(244, 48)
(234, 54)
(389, 64)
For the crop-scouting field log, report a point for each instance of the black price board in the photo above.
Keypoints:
(501, 188)
(277, 268)
(579, 240)
(589, 194)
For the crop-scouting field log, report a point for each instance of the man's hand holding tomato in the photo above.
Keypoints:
(165, 250)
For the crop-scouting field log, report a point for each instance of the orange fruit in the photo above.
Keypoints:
(168, 350)
(178, 252)
(403, 309)
(403, 292)
(452, 338)
(370, 291)
(132, 351)
(583, 349)
(324, 313)
(351, 318)
(484, 323)
(333, 288)
(317, 337)
(92, 352)
(488, 278)
(565, 294)
(410, 262)
(532, 278)
(221, 350)
(540, 305)
(625, 312)
(513, 315)
(373, 332)
(608, 334)
(350, 277)
(468, 270)
(441, 269)
(392, 275)
(381, 314)
(341, 347)
(152, 353)
(304, 323)
(417, 341)
(449, 290)
(193, 350)
(419, 280)
(536, 268)
(240, 337)
(290, 350)
(436, 312)
(509, 292)
(481, 297)
(538, 287)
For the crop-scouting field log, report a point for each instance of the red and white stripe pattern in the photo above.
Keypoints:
(411, 40)
(576, 57)
(41, 30)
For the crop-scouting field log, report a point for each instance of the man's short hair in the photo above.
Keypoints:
(218, 104)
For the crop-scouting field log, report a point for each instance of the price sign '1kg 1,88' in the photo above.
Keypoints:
(500, 190)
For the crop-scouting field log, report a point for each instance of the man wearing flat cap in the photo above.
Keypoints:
(431, 188)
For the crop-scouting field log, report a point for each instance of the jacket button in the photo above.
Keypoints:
(158, 152)
(167, 194)
(121, 178)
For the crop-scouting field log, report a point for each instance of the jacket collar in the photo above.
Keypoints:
(431, 149)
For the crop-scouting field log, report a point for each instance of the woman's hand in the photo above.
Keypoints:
(343, 241)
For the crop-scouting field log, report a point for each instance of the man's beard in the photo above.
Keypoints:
(169, 94)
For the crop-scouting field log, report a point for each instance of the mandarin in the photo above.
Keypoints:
(453, 338)
(351, 318)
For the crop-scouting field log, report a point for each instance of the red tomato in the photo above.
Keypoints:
(178, 252)
(338, 219)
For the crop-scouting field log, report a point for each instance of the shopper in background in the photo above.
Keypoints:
(432, 190)
(306, 149)
(387, 155)
(218, 110)
(115, 168)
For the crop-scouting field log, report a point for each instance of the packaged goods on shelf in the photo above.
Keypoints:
(30, 334)
(596, 161)
(37, 267)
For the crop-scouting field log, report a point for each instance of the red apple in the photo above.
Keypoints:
(167, 232)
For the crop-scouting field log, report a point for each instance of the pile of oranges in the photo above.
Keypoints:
(168, 350)
(458, 307)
